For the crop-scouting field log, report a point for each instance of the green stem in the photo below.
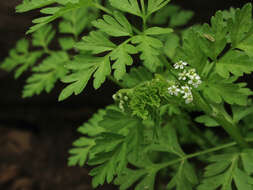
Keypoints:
(144, 16)
(73, 20)
(189, 156)
(223, 119)
(97, 5)
(143, 7)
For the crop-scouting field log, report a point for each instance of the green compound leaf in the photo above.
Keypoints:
(122, 58)
(96, 42)
(171, 45)
(81, 151)
(46, 74)
(185, 178)
(180, 18)
(82, 69)
(191, 52)
(213, 38)
(115, 121)
(28, 5)
(104, 70)
(150, 50)
(155, 5)
(111, 162)
(247, 156)
(130, 6)
(218, 89)
(20, 58)
(207, 121)
(55, 12)
(247, 46)
(67, 43)
(144, 175)
(158, 31)
(241, 26)
(129, 177)
(225, 169)
(76, 21)
(235, 62)
(241, 112)
(116, 26)
(113, 146)
(172, 15)
(44, 36)
(136, 76)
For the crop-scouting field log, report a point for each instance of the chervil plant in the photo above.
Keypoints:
(179, 87)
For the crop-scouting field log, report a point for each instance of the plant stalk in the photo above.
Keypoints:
(222, 119)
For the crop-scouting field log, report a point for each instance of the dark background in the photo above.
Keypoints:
(36, 133)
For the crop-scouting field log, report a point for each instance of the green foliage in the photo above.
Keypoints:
(225, 168)
(131, 6)
(222, 89)
(117, 26)
(76, 21)
(136, 76)
(82, 68)
(213, 39)
(166, 74)
(241, 26)
(20, 58)
(185, 178)
(43, 37)
(234, 62)
(149, 48)
(52, 13)
(155, 5)
(172, 15)
(80, 153)
(207, 120)
(46, 74)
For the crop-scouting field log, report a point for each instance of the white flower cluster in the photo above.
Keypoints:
(180, 65)
(121, 99)
(192, 77)
(175, 90)
(189, 76)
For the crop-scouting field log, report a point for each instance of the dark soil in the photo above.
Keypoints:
(36, 133)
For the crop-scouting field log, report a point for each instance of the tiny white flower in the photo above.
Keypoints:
(180, 65)
(195, 81)
(183, 75)
(187, 95)
(189, 100)
(186, 89)
(174, 90)
(192, 73)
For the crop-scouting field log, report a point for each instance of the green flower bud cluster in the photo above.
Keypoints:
(122, 99)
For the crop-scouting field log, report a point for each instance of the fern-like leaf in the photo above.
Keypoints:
(150, 50)
(130, 6)
(82, 69)
(225, 169)
(46, 74)
(116, 26)
(20, 58)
